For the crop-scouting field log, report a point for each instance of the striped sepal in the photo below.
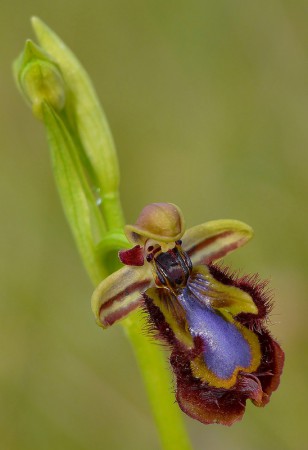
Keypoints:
(212, 240)
(119, 294)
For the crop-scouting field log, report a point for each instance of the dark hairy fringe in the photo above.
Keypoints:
(257, 288)
(155, 325)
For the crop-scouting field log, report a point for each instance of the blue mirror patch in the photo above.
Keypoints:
(226, 349)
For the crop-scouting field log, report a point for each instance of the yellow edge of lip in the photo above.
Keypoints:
(200, 370)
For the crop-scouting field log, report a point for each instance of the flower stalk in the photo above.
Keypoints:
(86, 172)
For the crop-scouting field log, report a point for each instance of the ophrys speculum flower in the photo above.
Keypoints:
(214, 323)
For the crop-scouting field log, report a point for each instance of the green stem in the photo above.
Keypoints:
(112, 211)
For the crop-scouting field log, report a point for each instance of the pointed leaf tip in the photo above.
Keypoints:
(36, 22)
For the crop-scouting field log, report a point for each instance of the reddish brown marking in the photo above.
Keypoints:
(140, 286)
(226, 406)
(202, 244)
(132, 257)
(110, 319)
(223, 251)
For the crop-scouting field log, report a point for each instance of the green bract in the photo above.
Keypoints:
(83, 154)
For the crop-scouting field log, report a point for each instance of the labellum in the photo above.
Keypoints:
(213, 322)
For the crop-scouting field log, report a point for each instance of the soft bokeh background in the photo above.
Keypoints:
(208, 105)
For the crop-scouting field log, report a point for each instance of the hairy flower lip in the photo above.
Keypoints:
(206, 403)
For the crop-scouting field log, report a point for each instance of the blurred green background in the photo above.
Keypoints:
(208, 105)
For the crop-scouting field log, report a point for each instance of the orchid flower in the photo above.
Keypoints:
(213, 322)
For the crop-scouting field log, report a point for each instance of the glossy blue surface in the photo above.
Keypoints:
(225, 347)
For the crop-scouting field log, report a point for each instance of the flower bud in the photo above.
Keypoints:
(39, 79)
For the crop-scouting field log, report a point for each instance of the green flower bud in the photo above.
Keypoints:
(39, 79)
